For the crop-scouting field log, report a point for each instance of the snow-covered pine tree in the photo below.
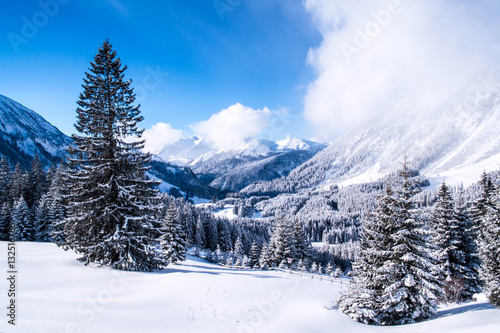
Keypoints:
(224, 237)
(467, 246)
(190, 225)
(111, 202)
(480, 206)
(411, 290)
(200, 236)
(265, 260)
(363, 299)
(254, 254)
(37, 183)
(56, 206)
(19, 183)
(212, 235)
(281, 244)
(239, 250)
(488, 212)
(23, 229)
(5, 211)
(5, 175)
(302, 247)
(43, 223)
(173, 239)
(446, 239)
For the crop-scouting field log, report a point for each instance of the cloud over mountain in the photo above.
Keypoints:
(375, 53)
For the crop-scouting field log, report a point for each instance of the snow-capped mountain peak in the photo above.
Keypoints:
(234, 168)
(24, 134)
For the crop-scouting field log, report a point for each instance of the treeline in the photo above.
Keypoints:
(34, 209)
(33, 204)
(29, 201)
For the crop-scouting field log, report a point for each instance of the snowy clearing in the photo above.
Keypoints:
(58, 294)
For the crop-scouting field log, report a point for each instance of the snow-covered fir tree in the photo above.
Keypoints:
(446, 239)
(411, 290)
(200, 236)
(111, 202)
(212, 235)
(224, 234)
(363, 300)
(265, 260)
(471, 283)
(488, 213)
(281, 244)
(393, 275)
(56, 206)
(5, 211)
(239, 250)
(43, 223)
(23, 229)
(302, 247)
(19, 184)
(37, 183)
(5, 176)
(173, 239)
(254, 254)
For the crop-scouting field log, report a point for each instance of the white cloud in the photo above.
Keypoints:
(231, 127)
(160, 135)
(374, 53)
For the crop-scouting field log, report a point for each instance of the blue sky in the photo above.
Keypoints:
(255, 55)
(267, 68)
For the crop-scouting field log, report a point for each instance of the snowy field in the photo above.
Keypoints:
(57, 294)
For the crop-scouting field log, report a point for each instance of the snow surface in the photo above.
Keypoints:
(227, 212)
(58, 294)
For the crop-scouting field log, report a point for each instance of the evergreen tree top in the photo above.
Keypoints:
(105, 107)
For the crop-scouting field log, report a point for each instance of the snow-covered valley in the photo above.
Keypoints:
(58, 294)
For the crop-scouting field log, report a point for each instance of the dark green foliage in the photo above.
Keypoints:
(111, 203)
(5, 211)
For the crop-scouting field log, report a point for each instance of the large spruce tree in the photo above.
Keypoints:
(111, 202)
(394, 282)
(362, 301)
(411, 289)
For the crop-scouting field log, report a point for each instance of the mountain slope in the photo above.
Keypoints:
(177, 179)
(455, 139)
(25, 134)
(233, 169)
(184, 151)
